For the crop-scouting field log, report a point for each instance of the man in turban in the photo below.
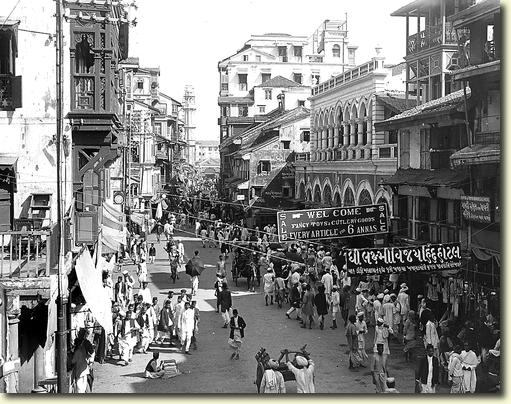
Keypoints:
(304, 374)
(273, 381)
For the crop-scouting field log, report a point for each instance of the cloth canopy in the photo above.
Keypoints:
(91, 285)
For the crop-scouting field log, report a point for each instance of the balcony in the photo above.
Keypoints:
(352, 74)
(24, 254)
(431, 37)
(10, 92)
(302, 157)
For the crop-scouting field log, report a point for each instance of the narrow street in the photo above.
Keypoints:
(209, 368)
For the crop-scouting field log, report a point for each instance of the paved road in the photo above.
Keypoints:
(210, 370)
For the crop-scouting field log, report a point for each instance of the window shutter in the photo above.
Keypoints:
(16, 92)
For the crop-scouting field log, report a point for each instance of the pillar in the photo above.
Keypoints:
(360, 126)
(38, 366)
(352, 134)
(346, 135)
(337, 135)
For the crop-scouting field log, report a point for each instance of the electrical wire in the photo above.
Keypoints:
(12, 11)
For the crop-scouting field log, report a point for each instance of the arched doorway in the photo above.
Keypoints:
(308, 195)
(349, 197)
(317, 194)
(327, 195)
(337, 199)
(365, 198)
(301, 191)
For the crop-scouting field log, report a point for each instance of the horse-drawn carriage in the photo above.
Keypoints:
(244, 265)
(262, 357)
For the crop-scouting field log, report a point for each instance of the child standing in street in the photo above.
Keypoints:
(152, 253)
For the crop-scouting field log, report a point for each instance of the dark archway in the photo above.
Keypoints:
(365, 198)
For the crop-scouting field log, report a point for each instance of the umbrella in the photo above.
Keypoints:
(197, 266)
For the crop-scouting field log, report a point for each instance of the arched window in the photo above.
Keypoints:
(349, 198)
(317, 194)
(337, 199)
(327, 195)
(308, 196)
(301, 190)
(336, 51)
(365, 198)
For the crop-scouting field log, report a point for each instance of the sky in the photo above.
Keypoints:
(187, 39)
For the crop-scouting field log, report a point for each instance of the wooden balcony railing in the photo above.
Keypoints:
(10, 92)
(24, 254)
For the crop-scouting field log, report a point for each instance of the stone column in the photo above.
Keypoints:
(346, 136)
(353, 139)
(360, 133)
(369, 144)
(337, 134)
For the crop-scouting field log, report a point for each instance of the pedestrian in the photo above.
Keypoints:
(237, 324)
(156, 310)
(377, 307)
(431, 335)
(178, 312)
(145, 293)
(345, 303)
(455, 371)
(410, 332)
(142, 271)
(194, 277)
(351, 333)
(396, 314)
(361, 332)
(335, 305)
(153, 369)
(269, 285)
(469, 363)
(304, 374)
(212, 239)
(225, 304)
(145, 324)
(167, 230)
(328, 282)
(159, 231)
(307, 306)
(165, 322)
(81, 362)
(204, 236)
(379, 369)
(404, 300)
(128, 336)
(152, 253)
(428, 373)
(196, 323)
(272, 381)
(294, 299)
(321, 303)
(187, 326)
(381, 336)
(388, 312)
(220, 266)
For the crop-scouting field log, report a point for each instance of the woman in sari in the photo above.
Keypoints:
(352, 338)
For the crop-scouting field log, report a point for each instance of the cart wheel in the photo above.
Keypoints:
(259, 376)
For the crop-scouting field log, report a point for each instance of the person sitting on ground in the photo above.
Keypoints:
(153, 369)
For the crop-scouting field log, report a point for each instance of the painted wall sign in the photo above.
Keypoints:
(348, 221)
(387, 260)
(476, 209)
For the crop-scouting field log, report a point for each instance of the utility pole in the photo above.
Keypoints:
(61, 351)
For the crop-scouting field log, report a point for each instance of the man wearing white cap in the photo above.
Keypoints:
(269, 284)
(304, 374)
(360, 300)
(404, 300)
(381, 336)
(273, 381)
(377, 307)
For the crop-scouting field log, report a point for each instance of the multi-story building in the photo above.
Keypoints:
(440, 161)
(481, 206)
(274, 64)
(96, 41)
(262, 172)
(431, 47)
(206, 149)
(156, 142)
(348, 157)
(188, 117)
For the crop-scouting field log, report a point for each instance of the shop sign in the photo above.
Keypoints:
(273, 194)
(476, 209)
(240, 197)
(352, 221)
(387, 260)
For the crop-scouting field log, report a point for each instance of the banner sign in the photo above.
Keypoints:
(476, 209)
(387, 260)
(351, 221)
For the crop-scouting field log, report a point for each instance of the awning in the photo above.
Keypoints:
(8, 170)
(243, 185)
(428, 178)
(476, 154)
(486, 244)
(11, 26)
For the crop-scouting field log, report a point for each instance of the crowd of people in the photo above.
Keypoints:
(310, 280)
